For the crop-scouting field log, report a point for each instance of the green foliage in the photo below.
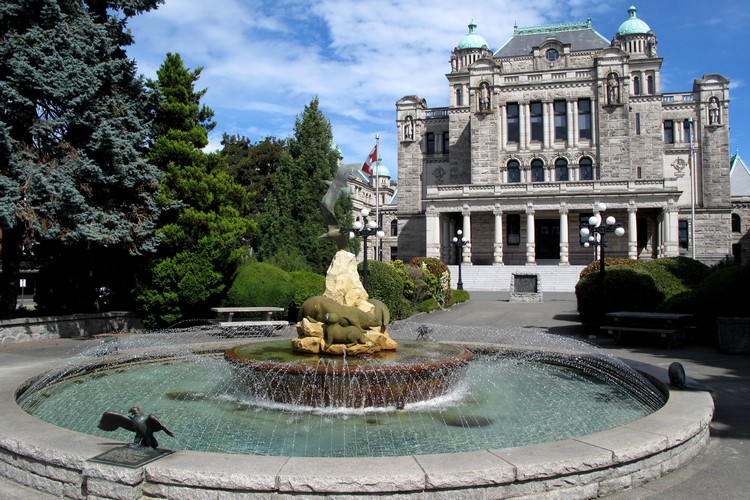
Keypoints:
(385, 283)
(637, 285)
(723, 293)
(254, 166)
(291, 217)
(428, 305)
(436, 278)
(203, 228)
(259, 284)
(305, 285)
(73, 124)
(459, 296)
(290, 259)
(404, 273)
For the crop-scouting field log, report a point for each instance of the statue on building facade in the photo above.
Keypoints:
(484, 97)
(713, 111)
(613, 89)
(409, 129)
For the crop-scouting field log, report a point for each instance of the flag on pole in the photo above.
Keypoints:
(371, 160)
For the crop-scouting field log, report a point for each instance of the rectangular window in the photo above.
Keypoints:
(537, 121)
(668, 132)
(686, 131)
(430, 143)
(637, 124)
(513, 228)
(682, 232)
(446, 143)
(639, 172)
(394, 253)
(584, 118)
(513, 123)
(561, 120)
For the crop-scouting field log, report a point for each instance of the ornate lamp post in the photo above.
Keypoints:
(593, 235)
(365, 228)
(460, 242)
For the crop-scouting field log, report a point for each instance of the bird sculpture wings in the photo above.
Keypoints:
(143, 425)
(336, 188)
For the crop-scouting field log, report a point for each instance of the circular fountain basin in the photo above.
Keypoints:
(55, 460)
(417, 371)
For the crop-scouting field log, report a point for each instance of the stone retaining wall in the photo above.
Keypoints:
(75, 325)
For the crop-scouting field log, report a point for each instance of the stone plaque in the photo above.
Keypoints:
(524, 283)
(130, 456)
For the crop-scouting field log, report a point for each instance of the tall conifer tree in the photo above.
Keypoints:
(203, 228)
(75, 185)
(292, 218)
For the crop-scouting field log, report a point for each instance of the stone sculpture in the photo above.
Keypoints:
(344, 320)
(676, 374)
(143, 425)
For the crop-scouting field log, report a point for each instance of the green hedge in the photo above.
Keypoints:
(258, 284)
(385, 283)
(637, 285)
(305, 285)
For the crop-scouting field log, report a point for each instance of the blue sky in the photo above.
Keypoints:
(265, 60)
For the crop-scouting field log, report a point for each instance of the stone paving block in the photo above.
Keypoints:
(459, 470)
(555, 459)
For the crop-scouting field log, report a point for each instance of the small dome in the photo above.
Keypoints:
(380, 170)
(633, 26)
(472, 40)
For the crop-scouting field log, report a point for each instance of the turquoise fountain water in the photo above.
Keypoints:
(522, 387)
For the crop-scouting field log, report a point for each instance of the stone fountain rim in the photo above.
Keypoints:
(54, 460)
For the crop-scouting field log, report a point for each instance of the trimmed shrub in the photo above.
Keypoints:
(304, 285)
(722, 294)
(258, 284)
(459, 296)
(386, 284)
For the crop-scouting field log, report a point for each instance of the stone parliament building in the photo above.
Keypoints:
(540, 131)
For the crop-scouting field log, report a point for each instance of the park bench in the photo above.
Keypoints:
(670, 327)
(264, 324)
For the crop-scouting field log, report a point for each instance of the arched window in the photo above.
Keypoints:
(561, 170)
(459, 96)
(650, 85)
(537, 170)
(736, 223)
(394, 227)
(636, 85)
(514, 171)
(585, 169)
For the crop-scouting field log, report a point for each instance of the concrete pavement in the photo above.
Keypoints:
(719, 472)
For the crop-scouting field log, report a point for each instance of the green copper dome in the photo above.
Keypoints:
(472, 40)
(380, 170)
(633, 26)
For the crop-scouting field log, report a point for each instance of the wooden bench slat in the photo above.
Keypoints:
(253, 323)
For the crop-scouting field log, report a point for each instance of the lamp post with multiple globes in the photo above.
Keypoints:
(460, 241)
(365, 228)
(593, 234)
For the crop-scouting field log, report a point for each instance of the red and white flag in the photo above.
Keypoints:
(371, 160)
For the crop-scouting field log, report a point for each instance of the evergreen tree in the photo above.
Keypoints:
(202, 229)
(75, 185)
(253, 165)
(292, 220)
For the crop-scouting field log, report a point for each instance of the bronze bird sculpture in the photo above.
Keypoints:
(143, 425)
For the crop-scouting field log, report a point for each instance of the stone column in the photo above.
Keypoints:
(571, 126)
(445, 239)
(525, 124)
(503, 127)
(432, 223)
(574, 125)
(546, 122)
(671, 244)
(530, 241)
(564, 257)
(467, 234)
(498, 246)
(632, 232)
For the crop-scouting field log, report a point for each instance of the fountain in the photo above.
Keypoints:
(339, 405)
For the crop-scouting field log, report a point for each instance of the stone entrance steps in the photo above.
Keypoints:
(554, 278)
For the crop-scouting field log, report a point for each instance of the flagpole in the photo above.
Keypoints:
(377, 191)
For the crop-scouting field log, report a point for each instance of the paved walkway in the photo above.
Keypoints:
(721, 471)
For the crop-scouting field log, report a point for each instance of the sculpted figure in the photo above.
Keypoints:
(381, 313)
(316, 309)
(338, 331)
(144, 426)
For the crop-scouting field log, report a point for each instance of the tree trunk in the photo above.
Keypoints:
(11, 257)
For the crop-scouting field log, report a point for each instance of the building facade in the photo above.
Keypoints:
(379, 193)
(541, 130)
(740, 188)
